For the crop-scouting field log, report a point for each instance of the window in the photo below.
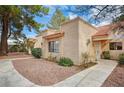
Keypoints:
(54, 46)
(115, 46)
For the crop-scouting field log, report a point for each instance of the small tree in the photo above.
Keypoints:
(19, 40)
(13, 19)
(57, 19)
(85, 58)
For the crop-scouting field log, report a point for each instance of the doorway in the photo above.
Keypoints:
(98, 50)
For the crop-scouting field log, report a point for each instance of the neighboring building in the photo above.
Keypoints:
(39, 39)
(76, 37)
(106, 39)
(30, 44)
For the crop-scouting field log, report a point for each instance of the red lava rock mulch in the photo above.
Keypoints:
(116, 78)
(15, 55)
(43, 72)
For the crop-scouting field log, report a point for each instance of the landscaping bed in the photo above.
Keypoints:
(116, 78)
(44, 73)
(15, 55)
(87, 65)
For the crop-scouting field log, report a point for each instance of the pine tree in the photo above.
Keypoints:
(57, 19)
(13, 18)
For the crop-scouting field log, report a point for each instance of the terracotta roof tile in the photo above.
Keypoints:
(104, 30)
(55, 35)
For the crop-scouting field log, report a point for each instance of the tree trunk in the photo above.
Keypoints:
(4, 34)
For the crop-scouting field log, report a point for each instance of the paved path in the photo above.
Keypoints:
(92, 77)
(9, 77)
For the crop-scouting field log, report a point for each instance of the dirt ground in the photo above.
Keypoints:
(116, 78)
(15, 55)
(43, 72)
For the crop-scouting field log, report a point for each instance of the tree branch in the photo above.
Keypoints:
(10, 29)
(101, 11)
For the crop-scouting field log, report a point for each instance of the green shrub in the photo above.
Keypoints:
(106, 54)
(14, 48)
(65, 61)
(121, 58)
(17, 48)
(36, 52)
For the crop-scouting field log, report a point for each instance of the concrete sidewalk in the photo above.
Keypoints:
(91, 77)
(9, 77)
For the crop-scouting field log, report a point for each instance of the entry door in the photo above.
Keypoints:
(98, 50)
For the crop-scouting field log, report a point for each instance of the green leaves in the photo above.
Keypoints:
(36, 52)
(67, 62)
(121, 58)
(40, 10)
(57, 19)
(120, 18)
(14, 18)
(21, 16)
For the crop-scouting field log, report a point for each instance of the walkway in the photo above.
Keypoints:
(92, 77)
(9, 77)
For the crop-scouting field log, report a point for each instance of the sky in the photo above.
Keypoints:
(46, 19)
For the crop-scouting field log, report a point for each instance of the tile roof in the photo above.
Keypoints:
(55, 35)
(46, 30)
(104, 30)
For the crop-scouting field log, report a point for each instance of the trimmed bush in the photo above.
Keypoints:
(65, 62)
(106, 55)
(121, 58)
(36, 52)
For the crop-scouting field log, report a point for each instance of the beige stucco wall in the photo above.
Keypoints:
(38, 42)
(85, 35)
(113, 53)
(46, 52)
(75, 39)
(74, 42)
(39, 39)
(70, 41)
(115, 38)
(105, 45)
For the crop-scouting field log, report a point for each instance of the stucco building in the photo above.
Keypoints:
(76, 37)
